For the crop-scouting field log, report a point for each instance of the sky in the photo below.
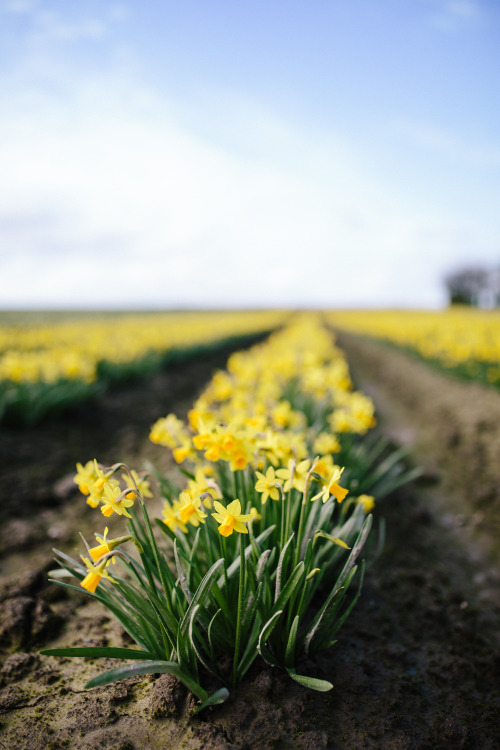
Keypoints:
(246, 153)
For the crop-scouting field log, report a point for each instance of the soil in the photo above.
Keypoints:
(417, 664)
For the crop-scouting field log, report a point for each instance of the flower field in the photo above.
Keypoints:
(273, 446)
(46, 367)
(241, 559)
(464, 340)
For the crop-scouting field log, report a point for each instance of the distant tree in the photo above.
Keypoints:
(469, 286)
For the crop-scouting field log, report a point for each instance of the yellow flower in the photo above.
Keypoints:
(116, 501)
(102, 549)
(167, 431)
(266, 484)
(189, 509)
(204, 487)
(367, 501)
(324, 466)
(325, 442)
(231, 518)
(299, 475)
(182, 452)
(331, 487)
(91, 580)
(85, 477)
(171, 517)
(141, 482)
(254, 514)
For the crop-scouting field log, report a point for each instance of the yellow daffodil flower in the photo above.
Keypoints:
(85, 477)
(266, 484)
(102, 548)
(93, 577)
(116, 501)
(331, 487)
(189, 509)
(324, 443)
(299, 475)
(231, 518)
(141, 482)
(367, 501)
(171, 517)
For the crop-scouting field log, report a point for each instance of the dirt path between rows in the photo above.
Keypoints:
(417, 664)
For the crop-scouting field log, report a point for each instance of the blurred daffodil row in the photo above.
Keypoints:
(73, 349)
(464, 338)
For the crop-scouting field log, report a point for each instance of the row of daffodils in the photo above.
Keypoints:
(258, 551)
(464, 339)
(46, 366)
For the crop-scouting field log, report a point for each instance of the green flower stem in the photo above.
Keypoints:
(238, 614)
(223, 552)
(283, 536)
(288, 514)
(156, 553)
(300, 531)
(302, 512)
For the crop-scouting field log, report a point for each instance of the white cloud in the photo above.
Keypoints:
(108, 198)
(453, 15)
(449, 144)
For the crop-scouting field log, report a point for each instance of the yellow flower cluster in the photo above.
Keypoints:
(276, 405)
(71, 349)
(458, 336)
(102, 490)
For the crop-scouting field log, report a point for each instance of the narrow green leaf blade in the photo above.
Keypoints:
(219, 696)
(313, 683)
(98, 651)
(148, 667)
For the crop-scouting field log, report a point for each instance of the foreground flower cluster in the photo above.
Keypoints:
(262, 538)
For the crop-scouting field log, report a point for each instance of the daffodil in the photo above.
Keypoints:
(102, 548)
(367, 501)
(268, 485)
(295, 477)
(85, 477)
(140, 481)
(326, 442)
(204, 486)
(171, 517)
(189, 509)
(331, 487)
(116, 501)
(93, 577)
(231, 518)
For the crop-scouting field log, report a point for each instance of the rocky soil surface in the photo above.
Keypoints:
(417, 664)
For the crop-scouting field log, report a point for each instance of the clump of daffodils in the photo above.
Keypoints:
(258, 545)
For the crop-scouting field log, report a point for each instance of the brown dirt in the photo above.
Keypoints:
(417, 664)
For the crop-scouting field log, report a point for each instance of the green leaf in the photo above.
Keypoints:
(213, 700)
(290, 646)
(264, 635)
(310, 682)
(96, 651)
(279, 569)
(194, 646)
(322, 534)
(290, 587)
(149, 667)
(201, 592)
(250, 653)
(180, 573)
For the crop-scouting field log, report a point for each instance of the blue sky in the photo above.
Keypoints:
(331, 153)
